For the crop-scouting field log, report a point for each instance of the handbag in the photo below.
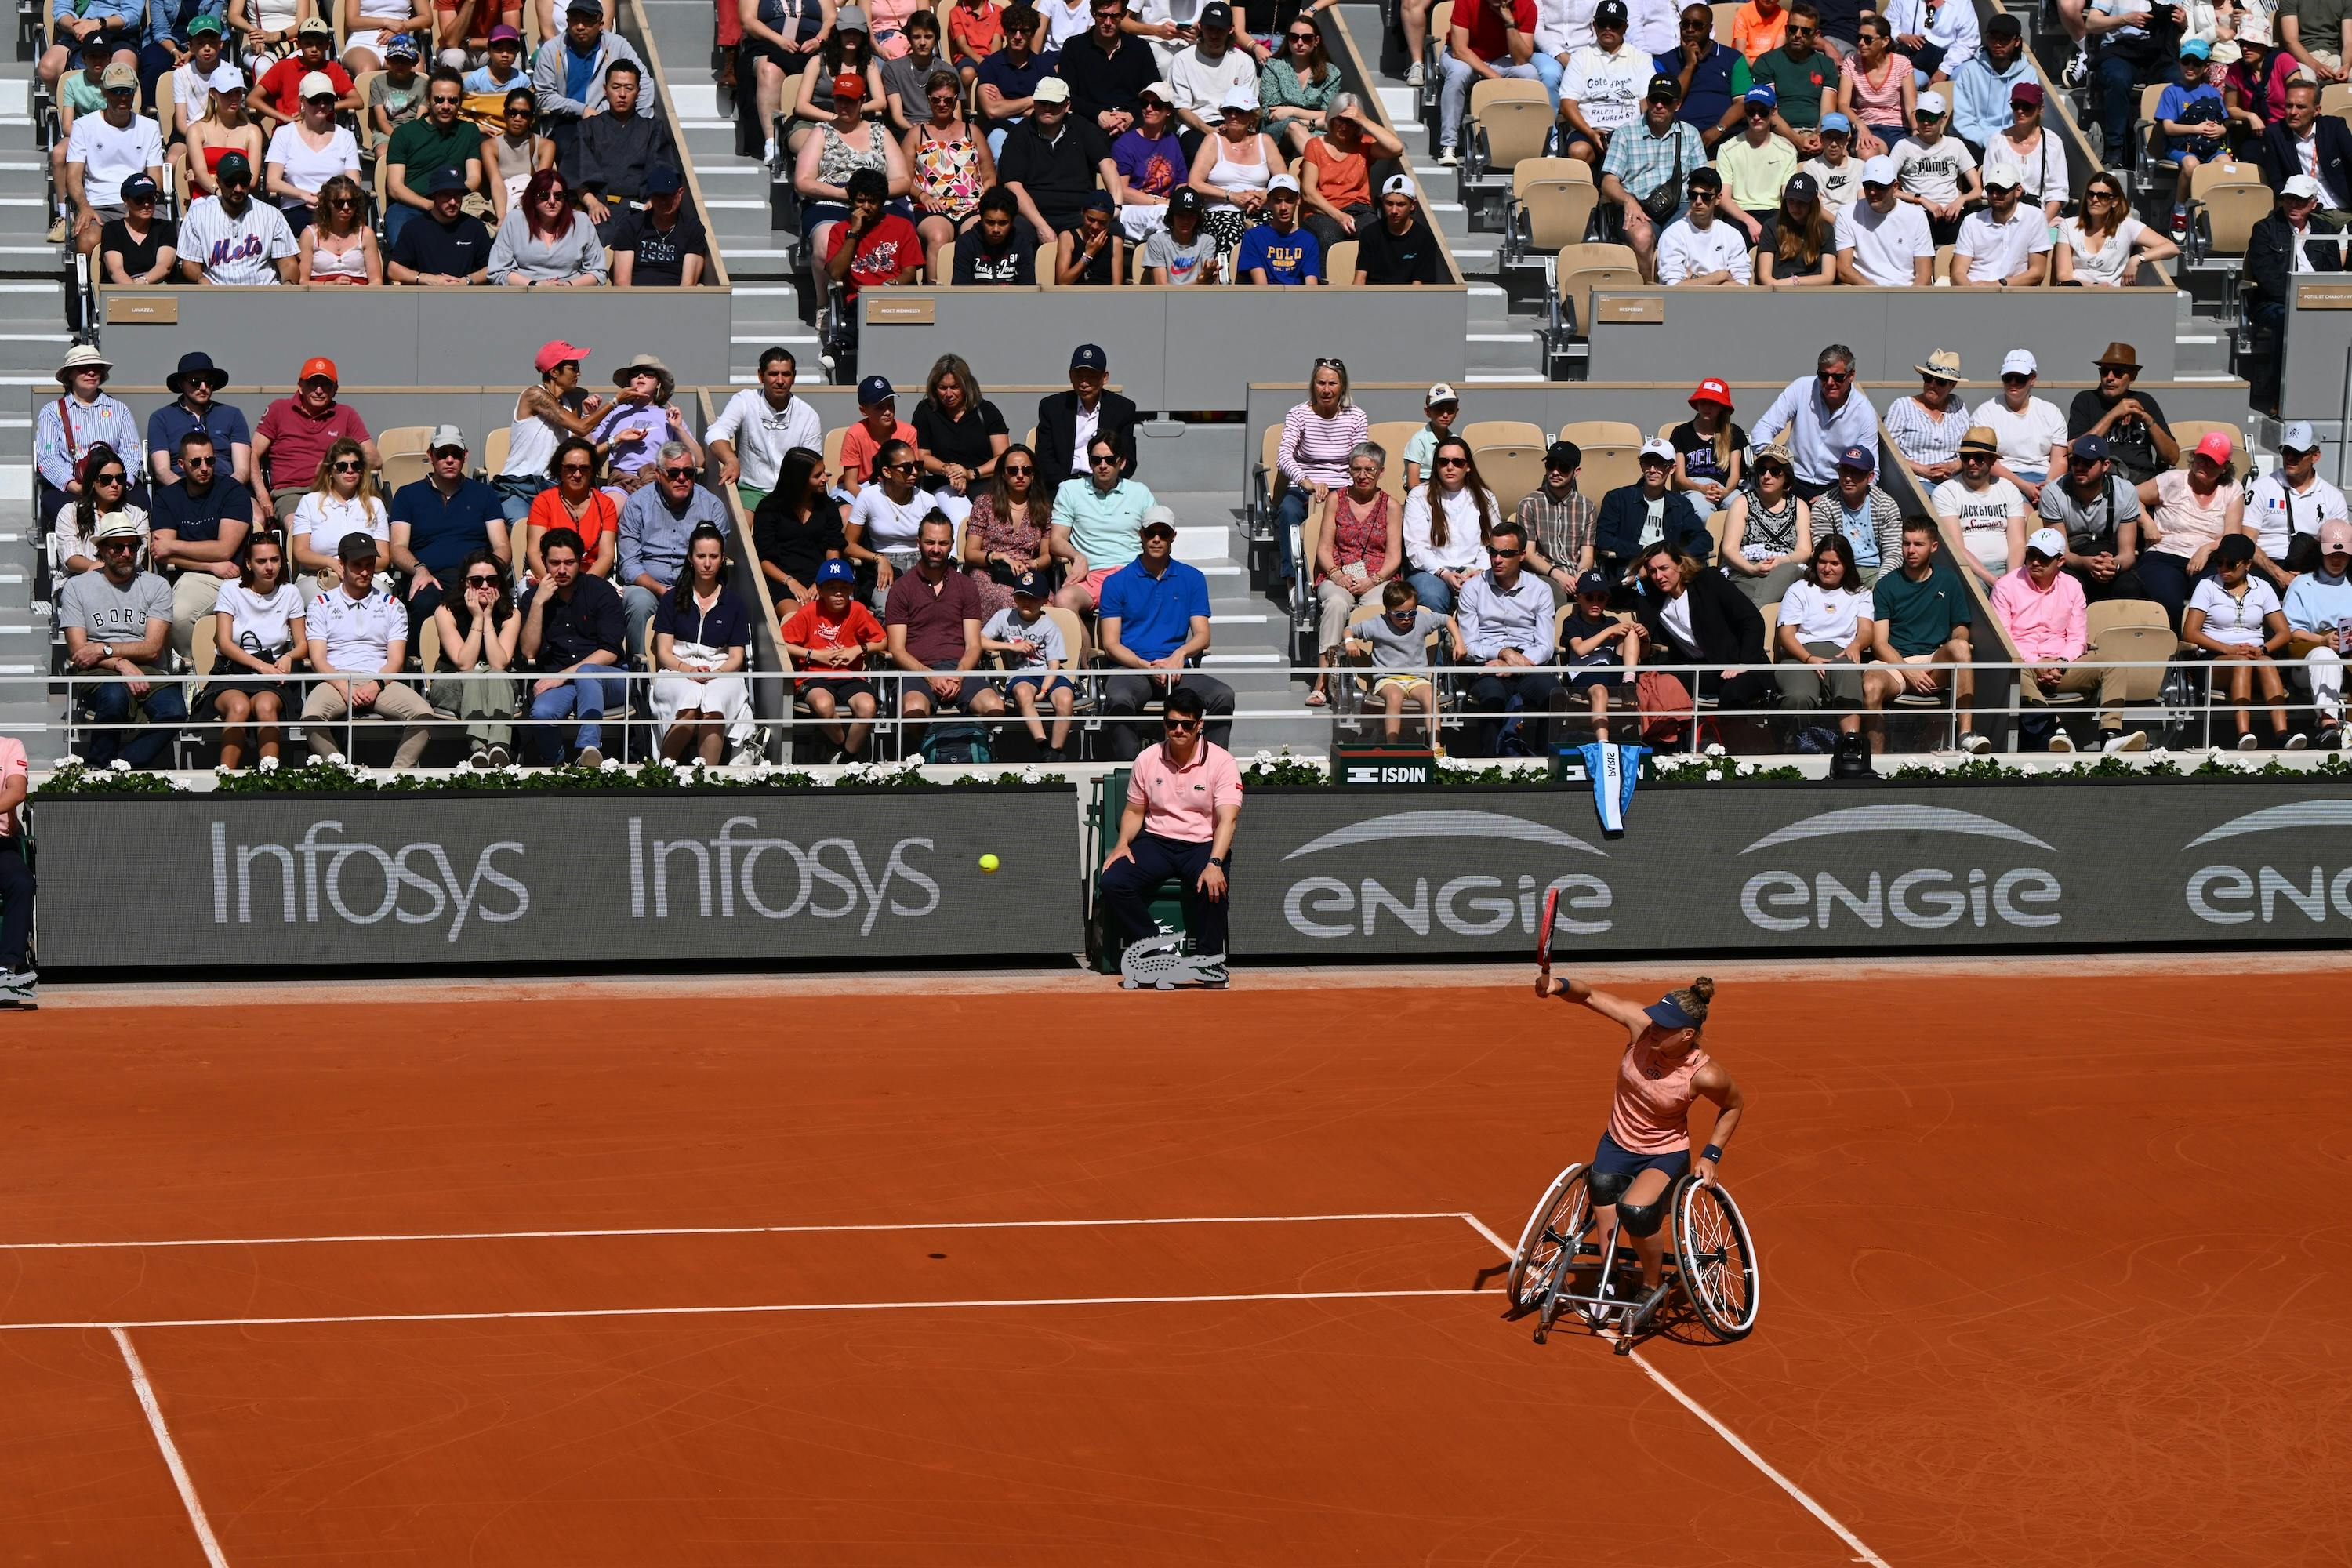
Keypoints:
(1661, 204)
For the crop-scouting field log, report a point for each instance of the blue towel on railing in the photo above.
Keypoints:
(1614, 770)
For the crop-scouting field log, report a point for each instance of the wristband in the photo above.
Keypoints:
(1712, 1151)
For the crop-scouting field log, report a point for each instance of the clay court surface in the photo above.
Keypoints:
(2055, 1271)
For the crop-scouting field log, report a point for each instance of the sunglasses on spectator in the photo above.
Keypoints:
(1099, 459)
(438, 97)
(105, 544)
(1797, 32)
(347, 467)
(113, 478)
(1692, 25)
(482, 580)
(342, 202)
(677, 473)
(147, 200)
(1330, 362)
(1507, 554)
(1305, 37)
(196, 462)
(1453, 462)
(577, 468)
(1184, 724)
(2012, 379)
(1010, 473)
(1836, 374)
(2085, 464)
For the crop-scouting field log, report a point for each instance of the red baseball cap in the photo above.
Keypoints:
(1712, 390)
(321, 365)
(849, 84)
(554, 353)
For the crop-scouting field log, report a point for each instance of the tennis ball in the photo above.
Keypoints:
(989, 863)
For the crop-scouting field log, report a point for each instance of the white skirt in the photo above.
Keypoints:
(727, 696)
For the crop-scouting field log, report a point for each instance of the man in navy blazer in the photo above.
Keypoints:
(2282, 155)
(1625, 515)
(1066, 421)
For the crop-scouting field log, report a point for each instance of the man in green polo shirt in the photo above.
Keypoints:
(1923, 619)
(436, 140)
(1803, 76)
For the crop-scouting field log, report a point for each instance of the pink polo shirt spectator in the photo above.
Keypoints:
(1182, 803)
(13, 764)
(2048, 626)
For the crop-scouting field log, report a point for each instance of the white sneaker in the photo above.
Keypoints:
(1415, 74)
(1448, 156)
(19, 989)
(745, 755)
(2297, 741)
(2077, 70)
(2246, 742)
(768, 157)
(2062, 741)
(2126, 741)
(1974, 744)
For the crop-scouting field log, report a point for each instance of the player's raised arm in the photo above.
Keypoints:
(1624, 1012)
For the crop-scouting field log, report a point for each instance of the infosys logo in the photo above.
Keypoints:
(774, 878)
(322, 876)
(2297, 887)
(1330, 906)
(1919, 898)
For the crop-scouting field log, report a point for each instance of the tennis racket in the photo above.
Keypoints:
(1543, 942)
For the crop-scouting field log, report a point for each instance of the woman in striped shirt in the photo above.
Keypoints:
(1317, 437)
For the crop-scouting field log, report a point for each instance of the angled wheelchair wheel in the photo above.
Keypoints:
(1715, 1259)
(1548, 1243)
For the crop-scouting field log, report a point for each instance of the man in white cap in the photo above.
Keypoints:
(2041, 609)
(439, 520)
(2318, 607)
(1401, 248)
(1053, 160)
(1934, 170)
(1280, 250)
(2004, 244)
(106, 148)
(1882, 240)
(2032, 430)
(2287, 507)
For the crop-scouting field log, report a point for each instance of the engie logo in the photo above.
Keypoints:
(1922, 898)
(1471, 904)
(361, 883)
(727, 869)
(2307, 887)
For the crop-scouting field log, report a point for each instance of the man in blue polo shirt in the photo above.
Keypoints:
(437, 521)
(1280, 250)
(196, 383)
(1154, 619)
(197, 531)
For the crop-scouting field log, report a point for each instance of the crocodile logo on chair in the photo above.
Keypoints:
(1161, 963)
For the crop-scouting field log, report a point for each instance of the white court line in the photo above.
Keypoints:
(760, 1310)
(146, 1392)
(1738, 1444)
(709, 1230)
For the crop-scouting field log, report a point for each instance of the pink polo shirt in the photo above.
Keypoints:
(1182, 803)
(13, 765)
(2048, 627)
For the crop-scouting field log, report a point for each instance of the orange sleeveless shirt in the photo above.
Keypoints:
(1650, 1114)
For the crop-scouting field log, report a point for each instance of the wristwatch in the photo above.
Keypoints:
(1218, 861)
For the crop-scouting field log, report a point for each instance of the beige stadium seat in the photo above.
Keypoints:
(1500, 433)
(495, 448)
(1340, 265)
(1516, 116)
(1577, 286)
(1608, 466)
(1555, 213)
(1534, 171)
(1513, 472)
(403, 448)
(2131, 631)
(2207, 177)
(1601, 432)
(1390, 437)
(2336, 97)
(2231, 212)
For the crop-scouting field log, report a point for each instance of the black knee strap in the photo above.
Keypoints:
(1607, 1187)
(1642, 1219)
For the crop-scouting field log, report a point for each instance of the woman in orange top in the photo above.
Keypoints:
(574, 503)
(1647, 1144)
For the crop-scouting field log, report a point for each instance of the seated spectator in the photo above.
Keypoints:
(825, 169)
(883, 536)
(1185, 251)
(338, 247)
(1984, 515)
(2286, 508)
(1182, 801)
(1050, 162)
(2318, 610)
(65, 428)
(1093, 253)
(440, 139)
(544, 415)
(1399, 248)
(1983, 88)
(2041, 608)
(1881, 88)
(281, 89)
(2236, 617)
(1935, 171)
(770, 422)
(1883, 240)
(872, 248)
(447, 246)
(1106, 68)
(931, 624)
(1602, 649)
(2103, 247)
(2132, 423)
(878, 425)
(1008, 78)
(775, 38)
(118, 620)
(1026, 638)
(224, 128)
(576, 501)
(358, 637)
(1923, 624)
(233, 240)
(568, 72)
(1277, 250)
(1826, 626)
(1925, 428)
(501, 71)
(2040, 156)
(1202, 72)
(1630, 512)
(1151, 162)
(2193, 125)
(948, 160)
(1820, 415)
(655, 526)
(905, 75)
(1397, 644)
(1804, 78)
(702, 636)
(1009, 533)
(1690, 617)
(2030, 431)
(1798, 244)
(138, 248)
(1939, 37)
(341, 501)
(200, 525)
(1359, 552)
(1060, 453)
(835, 637)
(1235, 169)
(573, 628)
(368, 35)
(797, 528)
(103, 151)
(265, 38)
(1297, 83)
(631, 430)
(1598, 90)
(1154, 625)
(1756, 165)
(1709, 449)
(195, 387)
(1097, 525)
(2098, 511)
(1335, 173)
(2277, 249)
(1697, 250)
(513, 151)
(105, 480)
(1700, 66)
(616, 151)
(477, 627)
(2004, 244)
(1836, 171)
(959, 433)
(259, 632)
(1864, 515)
(1768, 534)
(440, 519)
(1312, 458)
(1439, 410)
(661, 245)
(1000, 248)
(1502, 627)
(544, 242)
(1446, 522)
(294, 436)
(2187, 515)
(2302, 141)
(79, 93)
(308, 151)
(395, 95)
